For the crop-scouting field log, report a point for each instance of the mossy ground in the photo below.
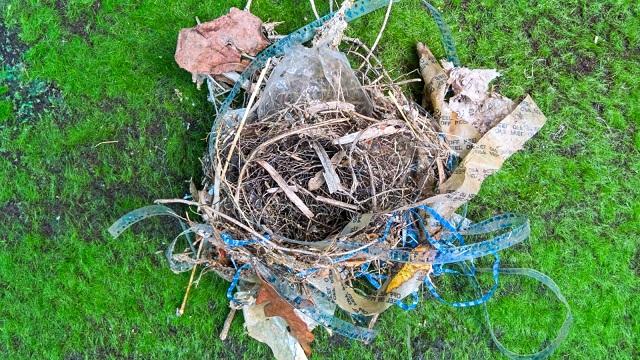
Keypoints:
(77, 73)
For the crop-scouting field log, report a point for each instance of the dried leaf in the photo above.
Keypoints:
(276, 306)
(217, 46)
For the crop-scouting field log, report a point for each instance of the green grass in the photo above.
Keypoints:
(67, 290)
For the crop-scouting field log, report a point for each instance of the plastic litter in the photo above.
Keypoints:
(312, 75)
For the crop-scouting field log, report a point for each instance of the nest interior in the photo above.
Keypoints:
(306, 170)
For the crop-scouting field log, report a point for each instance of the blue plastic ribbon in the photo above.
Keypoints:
(478, 301)
(234, 283)
(373, 279)
(410, 306)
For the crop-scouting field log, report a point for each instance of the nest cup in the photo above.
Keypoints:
(322, 145)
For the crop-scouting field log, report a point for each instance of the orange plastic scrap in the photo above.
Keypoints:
(217, 46)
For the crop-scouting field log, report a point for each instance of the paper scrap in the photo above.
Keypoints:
(473, 108)
(276, 306)
(487, 156)
(273, 332)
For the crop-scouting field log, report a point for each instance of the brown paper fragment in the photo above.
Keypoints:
(435, 80)
(473, 104)
(276, 306)
(473, 108)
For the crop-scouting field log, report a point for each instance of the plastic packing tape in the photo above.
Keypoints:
(445, 33)
(129, 219)
(462, 256)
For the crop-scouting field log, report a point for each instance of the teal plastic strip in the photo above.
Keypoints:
(445, 33)
(146, 212)
(138, 215)
(564, 329)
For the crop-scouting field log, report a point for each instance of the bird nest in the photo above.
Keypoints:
(327, 188)
(305, 171)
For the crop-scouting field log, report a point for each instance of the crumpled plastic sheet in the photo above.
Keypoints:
(273, 332)
(310, 75)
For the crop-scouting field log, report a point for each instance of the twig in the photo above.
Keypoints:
(193, 273)
(274, 140)
(395, 102)
(211, 211)
(337, 203)
(384, 25)
(248, 6)
(285, 188)
(382, 193)
(245, 115)
(441, 173)
(228, 320)
(373, 320)
(105, 142)
(374, 202)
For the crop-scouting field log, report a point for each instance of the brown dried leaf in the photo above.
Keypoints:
(217, 46)
(276, 306)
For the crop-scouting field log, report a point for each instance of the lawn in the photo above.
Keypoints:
(96, 119)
